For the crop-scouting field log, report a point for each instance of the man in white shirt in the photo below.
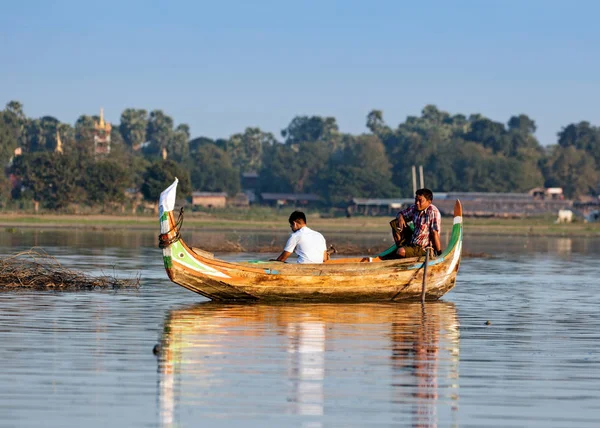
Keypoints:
(308, 244)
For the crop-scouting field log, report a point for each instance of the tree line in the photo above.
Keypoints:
(458, 153)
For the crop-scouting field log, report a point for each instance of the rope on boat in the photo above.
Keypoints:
(163, 239)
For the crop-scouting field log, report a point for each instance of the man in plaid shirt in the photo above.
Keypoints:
(428, 225)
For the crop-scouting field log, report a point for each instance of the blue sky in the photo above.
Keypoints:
(222, 66)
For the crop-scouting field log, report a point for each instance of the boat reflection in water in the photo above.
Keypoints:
(311, 364)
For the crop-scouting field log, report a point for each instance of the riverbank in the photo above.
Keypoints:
(277, 223)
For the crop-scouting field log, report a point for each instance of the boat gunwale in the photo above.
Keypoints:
(295, 269)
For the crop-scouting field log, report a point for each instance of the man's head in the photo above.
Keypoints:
(423, 198)
(297, 220)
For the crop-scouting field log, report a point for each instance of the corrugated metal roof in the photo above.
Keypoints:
(382, 201)
(441, 196)
(208, 194)
(484, 195)
(290, 196)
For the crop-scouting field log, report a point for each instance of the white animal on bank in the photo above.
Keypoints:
(564, 216)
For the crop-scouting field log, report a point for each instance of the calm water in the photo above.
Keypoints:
(72, 359)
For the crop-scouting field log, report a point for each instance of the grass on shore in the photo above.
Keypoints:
(277, 221)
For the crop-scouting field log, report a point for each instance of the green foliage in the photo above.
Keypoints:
(573, 170)
(51, 178)
(307, 129)
(40, 134)
(133, 127)
(458, 153)
(360, 169)
(367, 152)
(137, 168)
(196, 143)
(162, 137)
(348, 181)
(246, 150)
(177, 147)
(279, 171)
(160, 174)
(582, 136)
(12, 125)
(522, 124)
(84, 134)
(212, 171)
(106, 181)
(293, 168)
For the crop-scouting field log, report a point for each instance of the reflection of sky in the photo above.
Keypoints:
(85, 358)
(76, 359)
(307, 366)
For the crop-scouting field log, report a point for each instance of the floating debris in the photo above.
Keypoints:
(34, 269)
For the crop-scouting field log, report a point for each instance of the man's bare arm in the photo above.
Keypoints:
(395, 231)
(401, 221)
(282, 257)
(437, 245)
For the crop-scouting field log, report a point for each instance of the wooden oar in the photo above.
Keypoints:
(424, 286)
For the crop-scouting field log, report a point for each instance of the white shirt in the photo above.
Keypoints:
(308, 244)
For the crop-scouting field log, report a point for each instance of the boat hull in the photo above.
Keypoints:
(376, 287)
(343, 280)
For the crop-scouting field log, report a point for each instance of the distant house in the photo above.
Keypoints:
(486, 204)
(252, 199)
(537, 201)
(249, 180)
(249, 183)
(295, 199)
(553, 193)
(209, 199)
(588, 207)
(381, 206)
(240, 200)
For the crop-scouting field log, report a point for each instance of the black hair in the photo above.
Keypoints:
(297, 215)
(426, 193)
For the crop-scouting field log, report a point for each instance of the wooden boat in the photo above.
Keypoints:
(363, 279)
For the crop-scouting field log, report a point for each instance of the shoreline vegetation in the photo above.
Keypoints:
(529, 226)
(128, 163)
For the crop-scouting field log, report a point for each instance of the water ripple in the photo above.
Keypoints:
(514, 344)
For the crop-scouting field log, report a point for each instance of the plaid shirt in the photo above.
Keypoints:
(425, 222)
